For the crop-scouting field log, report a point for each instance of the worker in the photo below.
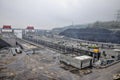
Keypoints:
(97, 53)
(96, 50)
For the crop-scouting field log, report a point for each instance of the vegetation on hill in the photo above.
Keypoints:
(58, 30)
(106, 25)
(114, 25)
(93, 34)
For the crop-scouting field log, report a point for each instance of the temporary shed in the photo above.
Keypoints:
(77, 61)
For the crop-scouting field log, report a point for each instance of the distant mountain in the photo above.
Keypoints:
(58, 30)
(93, 34)
(111, 25)
(106, 25)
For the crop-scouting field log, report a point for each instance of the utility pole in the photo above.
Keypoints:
(72, 24)
(118, 16)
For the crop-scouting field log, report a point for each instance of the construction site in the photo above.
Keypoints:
(45, 57)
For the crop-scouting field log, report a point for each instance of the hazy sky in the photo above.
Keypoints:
(47, 14)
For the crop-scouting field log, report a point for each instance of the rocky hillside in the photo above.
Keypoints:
(58, 30)
(106, 25)
(111, 25)
(93, 34)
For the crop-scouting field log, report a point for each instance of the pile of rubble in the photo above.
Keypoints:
(116, 76)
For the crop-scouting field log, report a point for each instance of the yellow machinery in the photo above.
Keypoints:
(96, 50)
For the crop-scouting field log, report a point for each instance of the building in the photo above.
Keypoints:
(30, 29)
(76, 61)
(6, 29)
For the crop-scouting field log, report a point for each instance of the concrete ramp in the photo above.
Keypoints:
(9, 38)
(3, 44)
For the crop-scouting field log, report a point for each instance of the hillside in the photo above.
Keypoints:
(111, 25)
(93, 34)
(58, 30)
(106, 25)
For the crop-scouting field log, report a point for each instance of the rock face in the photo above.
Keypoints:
(3, 44)
(93, 34)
